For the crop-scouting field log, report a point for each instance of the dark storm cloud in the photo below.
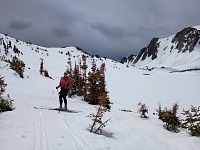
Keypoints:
(17, 24)
(60, 32)
(111, 28)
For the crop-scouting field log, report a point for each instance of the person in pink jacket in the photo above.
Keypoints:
(65, 84)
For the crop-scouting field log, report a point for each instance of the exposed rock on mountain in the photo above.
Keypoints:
(186, 39)
(182, 49)
(150, 51)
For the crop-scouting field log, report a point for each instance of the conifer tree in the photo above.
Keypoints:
(97, 118)
(18, 66)
(168, 116)
(84, 81)
(15, 50)
(46, 73)
(104, 100)
(192, 120)
(96, 84)
(2, 85)
(41, 66)
(102, 85)
(9, 45)
(101, 79)
(92, 85)
(5, 103)
(5, 48)
(70, 64)
(77, 80)
(77, 77)
(142, 109)
(43, 71)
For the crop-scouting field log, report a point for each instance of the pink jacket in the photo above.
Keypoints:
(65, 82)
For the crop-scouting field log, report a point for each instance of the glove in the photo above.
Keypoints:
(56, 87)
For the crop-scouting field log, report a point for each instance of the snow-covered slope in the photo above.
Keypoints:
(32, 54)
(180, 51)
(41, 129)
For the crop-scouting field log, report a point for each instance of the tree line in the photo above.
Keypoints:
(89, 84)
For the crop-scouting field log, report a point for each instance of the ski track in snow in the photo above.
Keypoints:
(76, 134)
(40, 132)
(40, 139)
(75, 139)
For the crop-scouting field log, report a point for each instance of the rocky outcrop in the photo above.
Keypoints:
(186, 39)
(128, 59)
(149, 51)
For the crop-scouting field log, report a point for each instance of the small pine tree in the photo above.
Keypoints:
(46, 74)
(42, 70)
(101, 79)
(142, 109)
(41, 66)
(76, 77)
(2, 85)
(192, 120)
(9, 45)
(70, 64)
(84, 77)
(168, 116)
(18, 66)
(5, 48)
(92, 94)
(104, 100)
(15, 50)
(97, 118)
(79, 80)
(5, 104)
(92, 91)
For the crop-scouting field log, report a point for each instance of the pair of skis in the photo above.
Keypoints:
(59, 109)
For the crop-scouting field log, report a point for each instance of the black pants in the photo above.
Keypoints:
(63, 96)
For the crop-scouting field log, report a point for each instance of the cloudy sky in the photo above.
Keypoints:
(110, 28)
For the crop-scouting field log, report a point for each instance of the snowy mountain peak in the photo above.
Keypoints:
(181, 50)
(186, 39)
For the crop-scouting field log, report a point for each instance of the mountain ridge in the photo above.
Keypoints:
(33, 54)
(179, 51)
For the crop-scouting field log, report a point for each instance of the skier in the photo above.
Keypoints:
(65, 84)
